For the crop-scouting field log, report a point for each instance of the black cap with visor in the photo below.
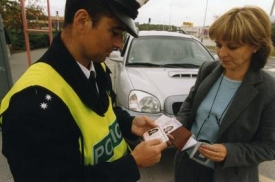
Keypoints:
(127, 11)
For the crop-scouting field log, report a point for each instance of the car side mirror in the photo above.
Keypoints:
(115, 56)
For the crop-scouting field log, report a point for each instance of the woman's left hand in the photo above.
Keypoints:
(141, 124)
(214, 152)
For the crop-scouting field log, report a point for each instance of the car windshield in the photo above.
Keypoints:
(165, 51)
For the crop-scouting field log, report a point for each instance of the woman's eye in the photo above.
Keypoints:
(232, 47)
(218, 45)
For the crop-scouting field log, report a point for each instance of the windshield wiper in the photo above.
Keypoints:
(182, 65)
(144, 64)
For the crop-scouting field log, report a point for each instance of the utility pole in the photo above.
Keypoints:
(202, 30)
(170, 15)
(272, 8)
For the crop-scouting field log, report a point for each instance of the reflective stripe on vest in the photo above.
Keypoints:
(102, 137)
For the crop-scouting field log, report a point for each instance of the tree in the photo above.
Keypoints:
(10, 11)
(11, 14)
(147, 26)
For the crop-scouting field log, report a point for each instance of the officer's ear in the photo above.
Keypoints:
(82, 20)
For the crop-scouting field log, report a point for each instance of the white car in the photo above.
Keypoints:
(154, 73)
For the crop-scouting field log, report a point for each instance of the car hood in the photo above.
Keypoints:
(163, 82)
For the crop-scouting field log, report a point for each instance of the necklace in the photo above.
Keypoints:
(218, 120)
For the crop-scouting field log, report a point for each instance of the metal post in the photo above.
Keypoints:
(57, 19)
(50, 22)
(26, 35)
(26, 30)
(5, 71)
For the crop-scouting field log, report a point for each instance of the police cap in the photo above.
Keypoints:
(127, 12)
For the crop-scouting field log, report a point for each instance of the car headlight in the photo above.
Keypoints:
(143, 102)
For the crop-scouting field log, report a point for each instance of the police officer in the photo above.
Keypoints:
(59, 125)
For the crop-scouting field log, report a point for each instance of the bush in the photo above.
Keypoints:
(37, 40)
(273, 33)
(17, 40)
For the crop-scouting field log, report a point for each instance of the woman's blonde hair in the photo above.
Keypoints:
(246, 25)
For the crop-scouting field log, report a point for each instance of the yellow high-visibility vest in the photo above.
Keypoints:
(102, 139)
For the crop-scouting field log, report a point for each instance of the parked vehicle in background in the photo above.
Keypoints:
(179, 31)
(154, 73)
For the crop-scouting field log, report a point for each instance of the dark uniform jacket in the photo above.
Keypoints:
(248, 127)
(42, 144)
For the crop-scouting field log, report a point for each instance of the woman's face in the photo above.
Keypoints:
(233, 56)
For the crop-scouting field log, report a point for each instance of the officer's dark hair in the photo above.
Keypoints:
(95, 8)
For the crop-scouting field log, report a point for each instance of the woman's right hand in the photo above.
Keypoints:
(214, 152)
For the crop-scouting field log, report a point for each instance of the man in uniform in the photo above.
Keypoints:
(58, 120)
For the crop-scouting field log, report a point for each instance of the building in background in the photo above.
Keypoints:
(194, 30)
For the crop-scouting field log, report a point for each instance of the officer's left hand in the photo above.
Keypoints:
(141, 124)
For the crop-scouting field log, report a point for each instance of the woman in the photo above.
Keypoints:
(232, 104)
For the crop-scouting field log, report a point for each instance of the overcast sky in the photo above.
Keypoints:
(175, 12)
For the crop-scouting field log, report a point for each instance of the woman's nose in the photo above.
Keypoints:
(222, 51)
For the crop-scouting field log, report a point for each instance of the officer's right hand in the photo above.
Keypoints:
(148, 153)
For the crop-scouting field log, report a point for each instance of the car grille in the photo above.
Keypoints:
(173, 103)
(176, 107)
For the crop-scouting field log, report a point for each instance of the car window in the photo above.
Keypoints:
(159, 50)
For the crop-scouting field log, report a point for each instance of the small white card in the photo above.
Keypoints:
(154, 133)
(167, 124)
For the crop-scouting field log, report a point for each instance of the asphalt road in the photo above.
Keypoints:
(163, 171)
